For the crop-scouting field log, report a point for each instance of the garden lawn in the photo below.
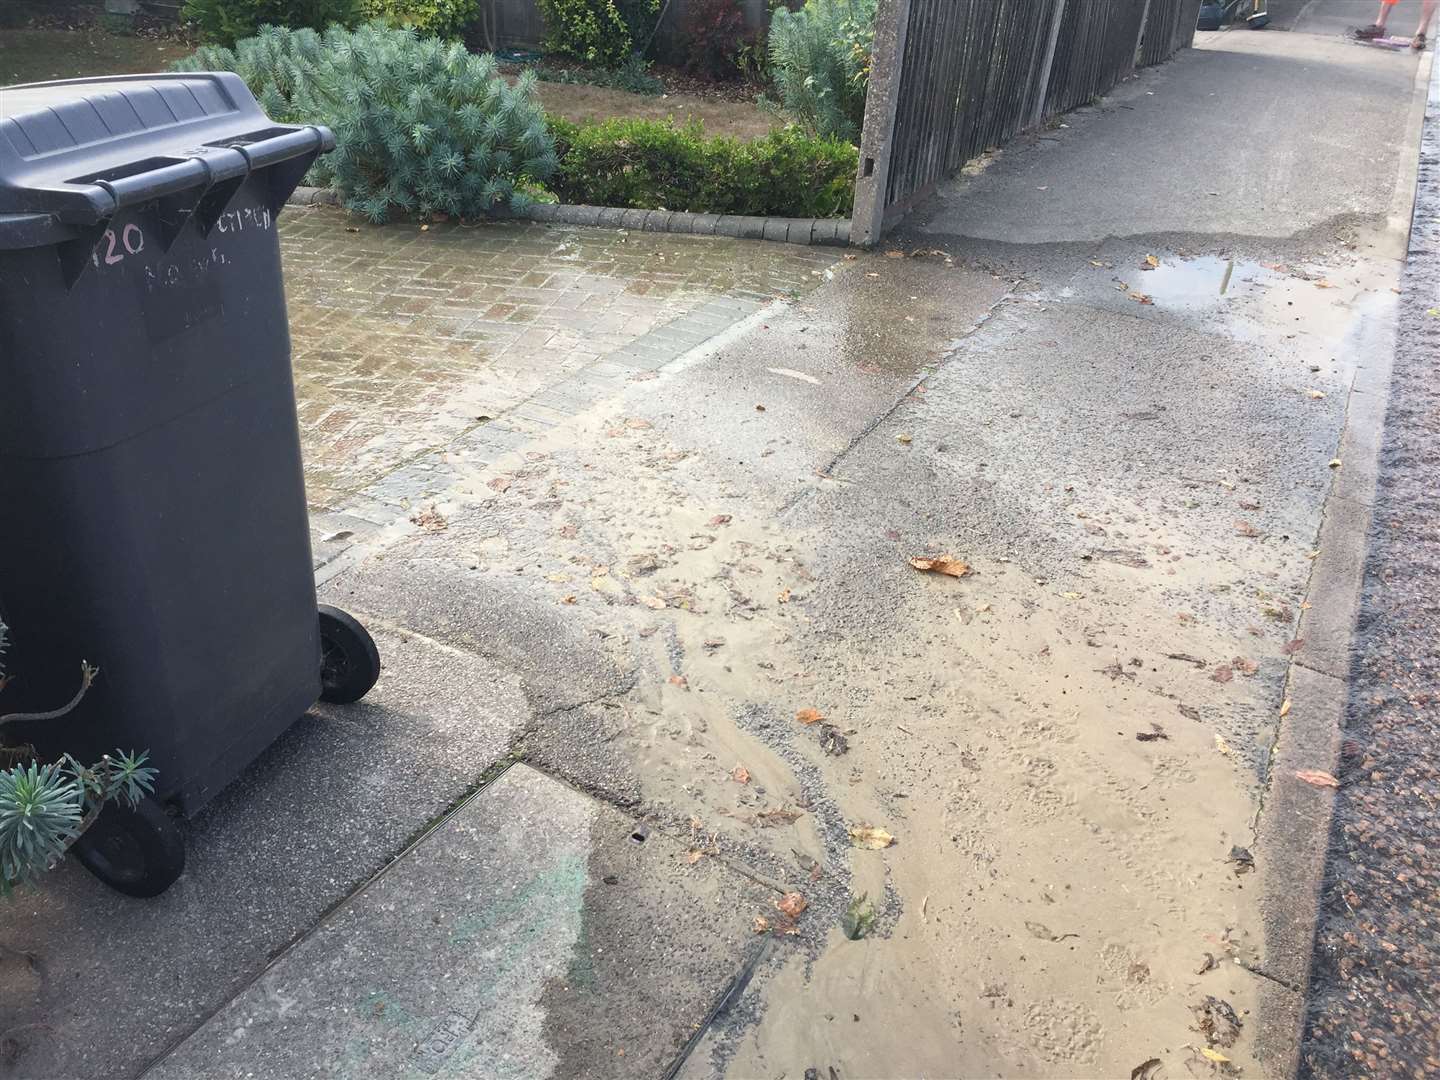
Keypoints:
(586, 104)
(40, 55)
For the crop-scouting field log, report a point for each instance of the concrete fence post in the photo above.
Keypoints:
(1042, 84)
(877, 139)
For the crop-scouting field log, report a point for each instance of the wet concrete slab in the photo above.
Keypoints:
(503, 945)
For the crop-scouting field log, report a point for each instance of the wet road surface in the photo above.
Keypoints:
(1375, 1006)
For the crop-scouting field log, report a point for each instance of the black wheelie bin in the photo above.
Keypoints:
(152, 503)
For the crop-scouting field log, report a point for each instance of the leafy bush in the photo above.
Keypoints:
(421, 126)
(599, 31)
(633, 77)
(641, 17)
(226, 21)
(443, 18)
(276, 65)
(45, 808)
(712, 36)
(820, 64)
(654, 165)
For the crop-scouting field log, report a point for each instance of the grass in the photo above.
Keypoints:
(28, 55)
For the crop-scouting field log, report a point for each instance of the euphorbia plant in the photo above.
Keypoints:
(46, 807)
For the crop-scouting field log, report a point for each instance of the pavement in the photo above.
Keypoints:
(681, 766)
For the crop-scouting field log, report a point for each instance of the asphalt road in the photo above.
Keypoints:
(1374, 1008)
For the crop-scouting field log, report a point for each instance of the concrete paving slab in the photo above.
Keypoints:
(329, 805)
(501, 946)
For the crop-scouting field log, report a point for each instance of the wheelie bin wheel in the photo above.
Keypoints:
(349, 660)
(138, 851)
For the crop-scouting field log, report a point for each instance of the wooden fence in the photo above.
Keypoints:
(953, 78)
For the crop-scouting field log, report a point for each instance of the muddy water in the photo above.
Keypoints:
(1066, 744)
(1050, 739)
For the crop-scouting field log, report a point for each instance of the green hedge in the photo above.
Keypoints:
(655, 165)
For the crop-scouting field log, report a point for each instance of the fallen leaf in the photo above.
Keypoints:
(636, 424)
(1071, 595)
(720, 519)
(1218, 1021)
(809, 716)
(1151, 262)
(1208, 964)
(1316, 394)
(894, 254)
(783, 597)
(499, 483)
(1223, 746)
(1214, 1055)
(567, 599)
(1285, 707)
(694, 857)
(945, 564)
(870, 837)
(858, 918)
(1146, 1070)
(792, 904)
(680, 681)
(430, 520)
(761, 924)
(1244, 528)
(1323, 284)
(653, 602)
(1244, 666)
(1141, 298)
(1318, 777)
(740, 774)
(904, 440)
(1290, 648)
(832, 741)
(1222, 674)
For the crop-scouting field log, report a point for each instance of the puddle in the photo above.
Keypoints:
(1203, 282)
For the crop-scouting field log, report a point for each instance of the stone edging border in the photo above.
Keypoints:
(820, 232)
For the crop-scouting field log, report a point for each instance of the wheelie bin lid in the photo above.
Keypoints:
(74, 153)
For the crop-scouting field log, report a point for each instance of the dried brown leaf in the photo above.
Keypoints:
(761, 924)
(1290, 648)
(1222, 674)
(740, 774)
(1318, 777)
(809, 716)
(943, 564)
(870, 837)
(792, 904)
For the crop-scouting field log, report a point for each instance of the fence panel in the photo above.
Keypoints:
(953, 78)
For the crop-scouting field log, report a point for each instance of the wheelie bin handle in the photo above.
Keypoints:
(156, 183)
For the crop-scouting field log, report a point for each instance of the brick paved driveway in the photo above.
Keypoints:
(405, 340)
